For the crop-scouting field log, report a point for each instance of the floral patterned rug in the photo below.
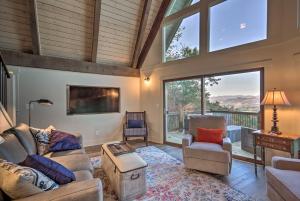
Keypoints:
(168, 180)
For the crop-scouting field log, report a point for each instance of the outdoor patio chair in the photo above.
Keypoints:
(135, 126)
(203, 156)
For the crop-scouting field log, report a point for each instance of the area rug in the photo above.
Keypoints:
(168, 180)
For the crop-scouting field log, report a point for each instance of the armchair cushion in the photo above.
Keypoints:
(207, 151)
(135, 124)
(285, 182)
(135, 131)
(210, 135)
(286, 163)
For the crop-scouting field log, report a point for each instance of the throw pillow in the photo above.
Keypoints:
(20, 182)
(210, 135)
(50, 168)
(135, 123)
(62, 141)
(42, 138)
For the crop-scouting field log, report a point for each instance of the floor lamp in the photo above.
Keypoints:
(45, 102)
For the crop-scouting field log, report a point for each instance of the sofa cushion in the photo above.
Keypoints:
(207, 151)
(75, 162)
(62, 141)
(285, 182)
(65, 153)
(83, 175)
(19, 182)
(50, 168)
(24, 135)
(11, 149)
(42, 139)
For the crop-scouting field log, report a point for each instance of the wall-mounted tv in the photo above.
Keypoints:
(92, 100)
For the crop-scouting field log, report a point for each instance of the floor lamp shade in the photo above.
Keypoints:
(275, 97)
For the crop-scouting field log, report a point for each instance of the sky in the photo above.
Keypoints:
(232, 22)
(237, 84)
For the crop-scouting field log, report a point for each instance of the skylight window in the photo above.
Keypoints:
(237, 22)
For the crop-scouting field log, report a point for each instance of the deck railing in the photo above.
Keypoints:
(244, 119)
(4, 75)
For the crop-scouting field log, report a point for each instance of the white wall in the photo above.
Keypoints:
(34, 84)
(279, 55)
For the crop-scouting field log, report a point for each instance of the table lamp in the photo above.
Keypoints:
(275, 97)
(45, 102)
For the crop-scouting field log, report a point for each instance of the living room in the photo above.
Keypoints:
(135, 53)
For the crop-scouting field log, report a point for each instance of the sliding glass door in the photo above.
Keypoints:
(182, 97)
(236, 96)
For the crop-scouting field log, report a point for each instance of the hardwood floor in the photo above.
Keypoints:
(242, 176)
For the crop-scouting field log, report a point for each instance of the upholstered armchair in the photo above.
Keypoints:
(283, 179)
(135, 126)
(207, 157)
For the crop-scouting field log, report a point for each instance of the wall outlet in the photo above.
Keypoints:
(97, 132)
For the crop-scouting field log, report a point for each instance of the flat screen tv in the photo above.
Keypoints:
(92, 100)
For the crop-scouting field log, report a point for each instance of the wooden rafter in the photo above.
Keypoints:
(153, 32)
(141, 32)
(55, 63)
(96, 25)
(34, 26)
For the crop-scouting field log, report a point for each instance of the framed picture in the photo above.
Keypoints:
(92, 100)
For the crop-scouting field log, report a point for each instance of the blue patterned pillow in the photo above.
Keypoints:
(135, 123)
(42, 138)
(20, 182)
(62, 141)
(50, 168)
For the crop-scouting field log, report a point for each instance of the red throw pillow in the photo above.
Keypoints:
(210, 135)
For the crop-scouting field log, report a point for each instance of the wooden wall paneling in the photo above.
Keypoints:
(152, 34)
(34, 25)
(141, 32)
(119, 22)
(96, 30)
(15, 29)
(66, 27)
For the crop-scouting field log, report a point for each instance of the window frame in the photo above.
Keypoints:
(181, 15)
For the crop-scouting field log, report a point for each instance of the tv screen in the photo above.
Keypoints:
(92, 100)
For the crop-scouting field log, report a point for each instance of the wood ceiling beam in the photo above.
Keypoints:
(34, 26)
(55, 63)
(141, 32)
(153, 32)
(96, 25)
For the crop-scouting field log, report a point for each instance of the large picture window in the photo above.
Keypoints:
(181, 38)
(237, 22)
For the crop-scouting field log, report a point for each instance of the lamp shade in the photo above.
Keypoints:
(275, 97)
(44, 102)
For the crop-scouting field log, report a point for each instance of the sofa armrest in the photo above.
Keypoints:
(286, 163)
(89, 190)
(187, 140)
(227, 144)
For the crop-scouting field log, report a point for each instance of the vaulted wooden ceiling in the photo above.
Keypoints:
(105, 32)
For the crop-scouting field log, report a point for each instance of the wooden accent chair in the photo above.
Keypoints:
(140, 131)
(207, 157)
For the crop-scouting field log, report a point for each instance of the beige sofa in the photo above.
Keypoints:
(207, 157)
(283, 179)
(19, 144)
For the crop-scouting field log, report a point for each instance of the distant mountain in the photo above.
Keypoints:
(239, 102)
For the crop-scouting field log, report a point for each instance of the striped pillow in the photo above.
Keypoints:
(19, 182)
